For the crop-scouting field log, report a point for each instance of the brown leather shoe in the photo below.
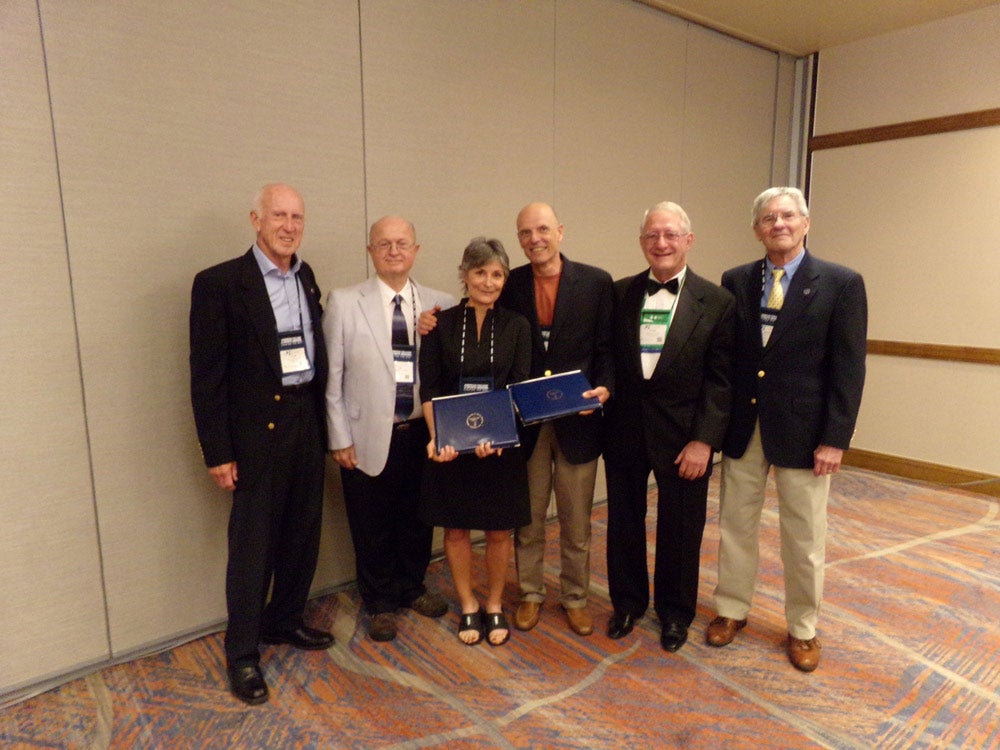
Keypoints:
(803, 655)
(527, 615)
(722, 630)
(382, 627)
(580, 621)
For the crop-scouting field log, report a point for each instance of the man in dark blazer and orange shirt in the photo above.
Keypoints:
(258, 376)
(569, 307)
(673, 334)
(800, 369)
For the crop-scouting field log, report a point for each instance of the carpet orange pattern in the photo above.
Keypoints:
(910, 632)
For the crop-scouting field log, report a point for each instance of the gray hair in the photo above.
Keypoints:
(258, 197)
(777, 192)
(668, 207)
(480, 252)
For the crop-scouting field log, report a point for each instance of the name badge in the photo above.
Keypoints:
(475, 385)
(768, 317)
(653, 326)
(292, 350)
(403, 361)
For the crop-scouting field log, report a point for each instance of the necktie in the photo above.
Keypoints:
(653, 286)
(777, 297)
(401, 339)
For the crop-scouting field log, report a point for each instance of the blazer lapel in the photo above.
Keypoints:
(370, 305)
(801, 292)
(687, 312)
(259, 310)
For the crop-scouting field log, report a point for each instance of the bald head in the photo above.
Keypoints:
(540, 235)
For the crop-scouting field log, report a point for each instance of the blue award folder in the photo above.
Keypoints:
(553, 396)
(469, 419)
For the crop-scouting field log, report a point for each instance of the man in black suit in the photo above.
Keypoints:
(801, 343)
(569, 307)
(258, 376)
(673, 350)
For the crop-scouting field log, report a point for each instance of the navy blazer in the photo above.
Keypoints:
(580, 339)
(235, 363)
(689, 394)
(805, 385)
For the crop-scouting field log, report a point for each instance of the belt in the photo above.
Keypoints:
(403, 426)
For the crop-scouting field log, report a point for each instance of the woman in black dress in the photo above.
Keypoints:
(474, 347)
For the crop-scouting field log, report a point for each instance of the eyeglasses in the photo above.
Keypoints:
(401, 245)
(771, 219)
(651, 237)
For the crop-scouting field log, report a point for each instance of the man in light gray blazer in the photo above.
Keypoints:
(376, 431)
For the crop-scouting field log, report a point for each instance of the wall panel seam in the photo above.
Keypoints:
(76, 334)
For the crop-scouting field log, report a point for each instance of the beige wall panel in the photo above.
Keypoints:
(918, 217)
(729, 121)
(619, 114)
(458, 120)
(935, 69)
(168, 116)
(52, 611)
(941, 412)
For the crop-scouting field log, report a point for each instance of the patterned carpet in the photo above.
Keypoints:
(910, 660)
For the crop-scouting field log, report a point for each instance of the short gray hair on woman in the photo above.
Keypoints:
(668, 207)
(776, 192)
(480, 252)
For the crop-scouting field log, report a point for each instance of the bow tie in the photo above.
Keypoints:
(653, 286)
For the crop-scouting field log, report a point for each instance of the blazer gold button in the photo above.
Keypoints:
(277, 397)
(760, 373)
(270, 425)
(753, 401)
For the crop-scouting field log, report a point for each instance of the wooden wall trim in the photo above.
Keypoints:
(949, 123)
(908, 468)
(974, 354)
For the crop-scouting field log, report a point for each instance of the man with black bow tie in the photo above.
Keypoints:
(674, 338)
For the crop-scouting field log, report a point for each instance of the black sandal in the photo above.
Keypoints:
(472, 621)
(496, 621)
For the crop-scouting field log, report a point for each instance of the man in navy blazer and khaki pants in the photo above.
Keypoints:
(258, 373)
(801, 342)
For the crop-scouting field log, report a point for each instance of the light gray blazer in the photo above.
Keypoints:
(361, 390)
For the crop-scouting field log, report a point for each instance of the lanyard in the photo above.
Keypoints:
(461, 361)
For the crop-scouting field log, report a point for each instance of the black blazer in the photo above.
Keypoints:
(235, 365)
(689, 394)
(580, 339)
(805, 385)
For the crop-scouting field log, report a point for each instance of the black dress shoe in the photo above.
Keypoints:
(620, 625)
(247, 683)
(673, 636)
(302, 637)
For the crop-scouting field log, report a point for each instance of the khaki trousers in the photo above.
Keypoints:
(548, 469)
(802, 500)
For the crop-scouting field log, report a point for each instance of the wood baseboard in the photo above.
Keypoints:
(948, 476)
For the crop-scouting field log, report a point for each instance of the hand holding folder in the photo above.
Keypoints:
(469, 422)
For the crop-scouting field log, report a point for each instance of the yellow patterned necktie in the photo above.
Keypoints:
(777, 297)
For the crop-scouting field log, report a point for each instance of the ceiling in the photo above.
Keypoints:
(801, 27)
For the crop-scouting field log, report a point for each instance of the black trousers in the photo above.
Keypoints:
(392, 546)
(274, 532)
(681, 511)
